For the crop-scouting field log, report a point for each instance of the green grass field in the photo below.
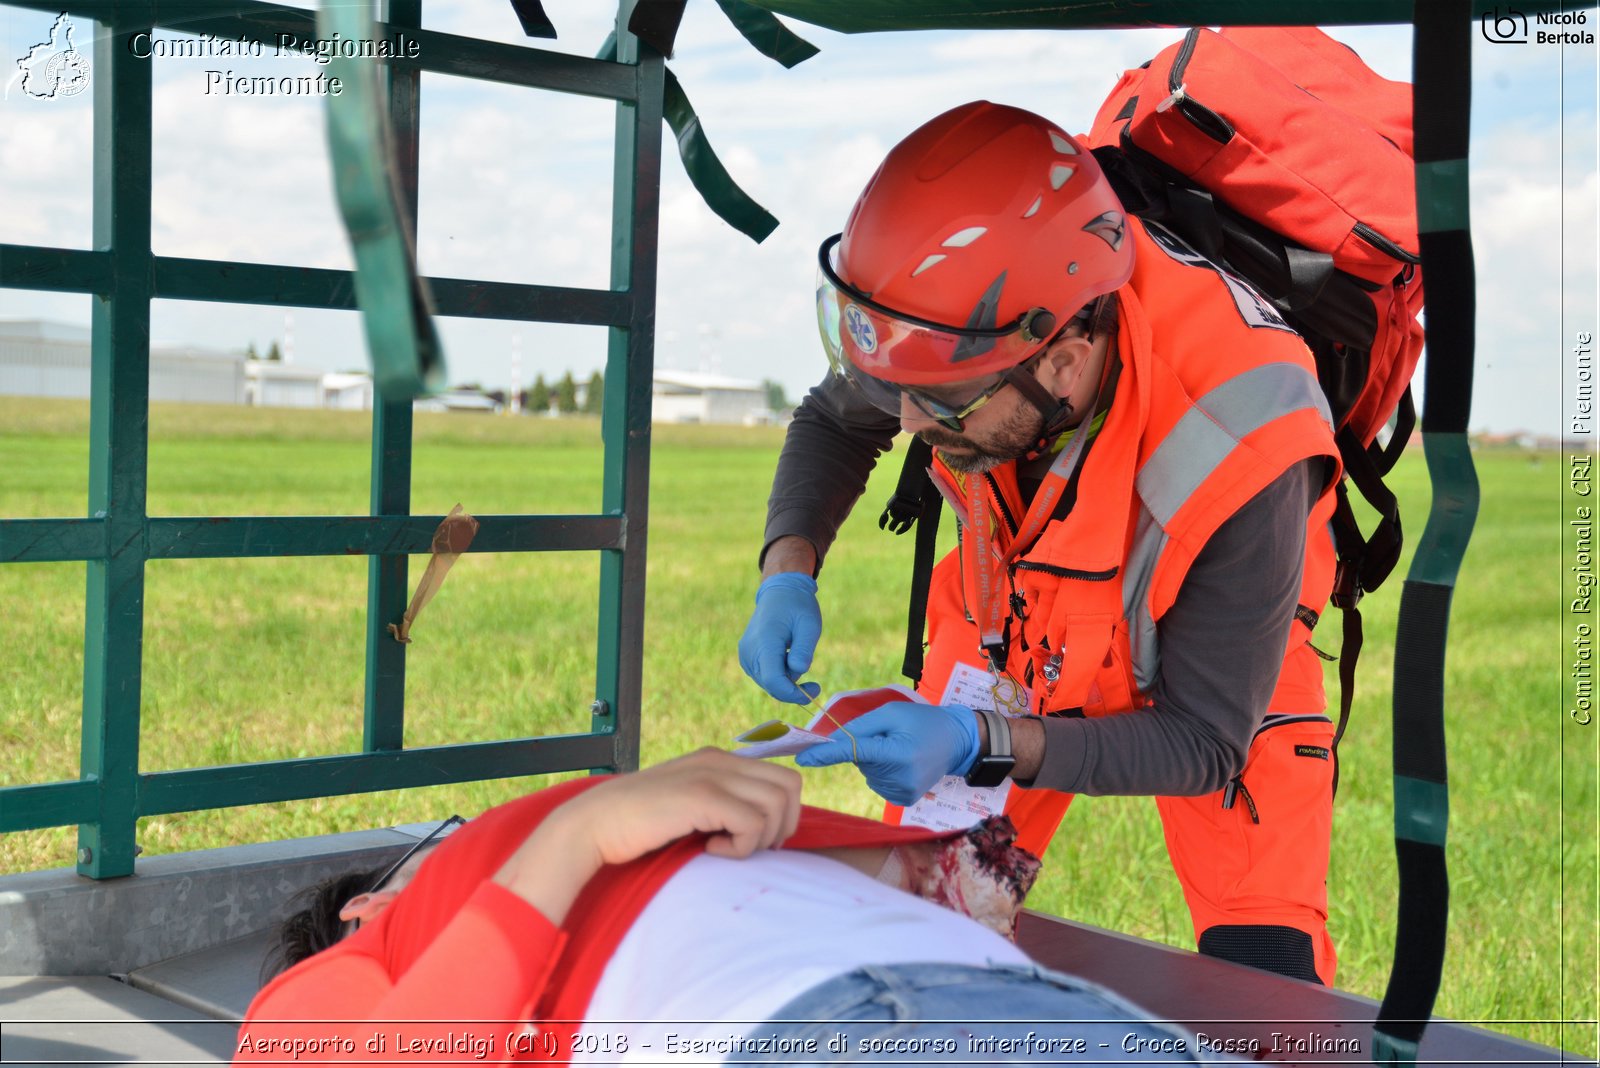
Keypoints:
(260, 659)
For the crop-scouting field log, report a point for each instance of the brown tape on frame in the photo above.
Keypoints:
(450, 540)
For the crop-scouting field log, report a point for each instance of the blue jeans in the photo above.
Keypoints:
(951, 1014)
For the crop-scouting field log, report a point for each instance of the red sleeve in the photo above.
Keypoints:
(489, 963)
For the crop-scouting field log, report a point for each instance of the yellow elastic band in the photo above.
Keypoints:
(854, 754)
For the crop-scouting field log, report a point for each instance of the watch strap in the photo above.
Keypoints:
(995, 757)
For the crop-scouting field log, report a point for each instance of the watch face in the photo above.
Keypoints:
(990, 771)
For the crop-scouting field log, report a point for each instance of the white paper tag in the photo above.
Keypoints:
(952, 805)
(974, 687)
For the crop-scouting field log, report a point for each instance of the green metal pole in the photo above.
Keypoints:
(630, 365)
(383, 725)
(119, 409)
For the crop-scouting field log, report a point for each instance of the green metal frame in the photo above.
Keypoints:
(118, 537)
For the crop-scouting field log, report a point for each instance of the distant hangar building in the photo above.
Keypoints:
(39, 358)
(697, 397)
(44, 359)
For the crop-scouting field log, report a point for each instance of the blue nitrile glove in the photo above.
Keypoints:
(903, 748)
(781, 638)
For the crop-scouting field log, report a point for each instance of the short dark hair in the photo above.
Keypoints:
(1096, 317)
(316, 925)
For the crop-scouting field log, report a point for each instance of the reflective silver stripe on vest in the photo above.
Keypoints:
(1149, 540)
(1192, 450)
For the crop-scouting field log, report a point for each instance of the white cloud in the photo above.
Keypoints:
(1531, 194)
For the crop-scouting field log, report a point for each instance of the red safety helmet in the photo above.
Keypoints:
(979, 236)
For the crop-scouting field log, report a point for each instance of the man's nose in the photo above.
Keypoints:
(913, 418)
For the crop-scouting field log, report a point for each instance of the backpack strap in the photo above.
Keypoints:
(1377, 555)
(1442, 66)
(915, 502)
(1405, 421)
(1350, 549)
(905, 505)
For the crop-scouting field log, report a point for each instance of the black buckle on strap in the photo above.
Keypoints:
(900, 514)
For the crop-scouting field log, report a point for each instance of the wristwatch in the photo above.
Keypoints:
(995, 759)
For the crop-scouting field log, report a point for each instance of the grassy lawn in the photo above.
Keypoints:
(261, 659)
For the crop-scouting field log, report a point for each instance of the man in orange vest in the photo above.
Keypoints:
(1141, 460)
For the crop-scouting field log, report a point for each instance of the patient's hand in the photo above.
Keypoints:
(744, 805)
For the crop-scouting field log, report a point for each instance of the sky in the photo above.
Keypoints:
(515, 186)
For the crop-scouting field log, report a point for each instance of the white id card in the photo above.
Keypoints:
(952, 805)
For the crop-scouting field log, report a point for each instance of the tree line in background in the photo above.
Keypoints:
(562, 397)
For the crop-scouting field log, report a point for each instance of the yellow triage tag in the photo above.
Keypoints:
(770, 731)
(775, 738)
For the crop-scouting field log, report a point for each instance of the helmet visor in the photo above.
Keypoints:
(900, 348)
(949, 405)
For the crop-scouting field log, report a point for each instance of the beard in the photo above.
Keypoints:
(1010, 440)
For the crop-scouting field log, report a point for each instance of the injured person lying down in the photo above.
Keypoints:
(691, 912)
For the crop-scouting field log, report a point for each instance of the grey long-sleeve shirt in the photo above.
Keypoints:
(1222, 641)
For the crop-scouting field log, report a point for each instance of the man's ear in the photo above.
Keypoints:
(365, 907)
(1063, 364)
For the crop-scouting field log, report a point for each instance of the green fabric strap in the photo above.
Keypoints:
(722, 194)
(1455, 507)
(1421, 810)
(396, 309)
(535, 23)
(1389, 1050)
(709, 177)
(1442, 196)
(768, 36)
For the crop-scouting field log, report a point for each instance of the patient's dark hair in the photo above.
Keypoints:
(316, 926)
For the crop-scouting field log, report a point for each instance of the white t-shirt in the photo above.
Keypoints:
(734, 940)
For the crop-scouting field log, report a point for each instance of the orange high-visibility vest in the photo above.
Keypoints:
(1216, 398)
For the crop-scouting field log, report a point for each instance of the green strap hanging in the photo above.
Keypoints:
(535, 23)
(709, 177)
(1442, 69)
(721, 192)
(768, 36)
(396, 310)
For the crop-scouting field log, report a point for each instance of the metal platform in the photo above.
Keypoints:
(1259, 1015)
(159, 967)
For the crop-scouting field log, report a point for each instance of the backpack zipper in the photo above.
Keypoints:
(1200, 117)
(1181, 62)
(1383, 244)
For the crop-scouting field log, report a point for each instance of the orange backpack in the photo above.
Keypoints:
(1276, 153)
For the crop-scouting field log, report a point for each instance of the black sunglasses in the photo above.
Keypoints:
(377, 884)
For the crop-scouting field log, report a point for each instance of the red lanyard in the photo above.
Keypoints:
(988, 560)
